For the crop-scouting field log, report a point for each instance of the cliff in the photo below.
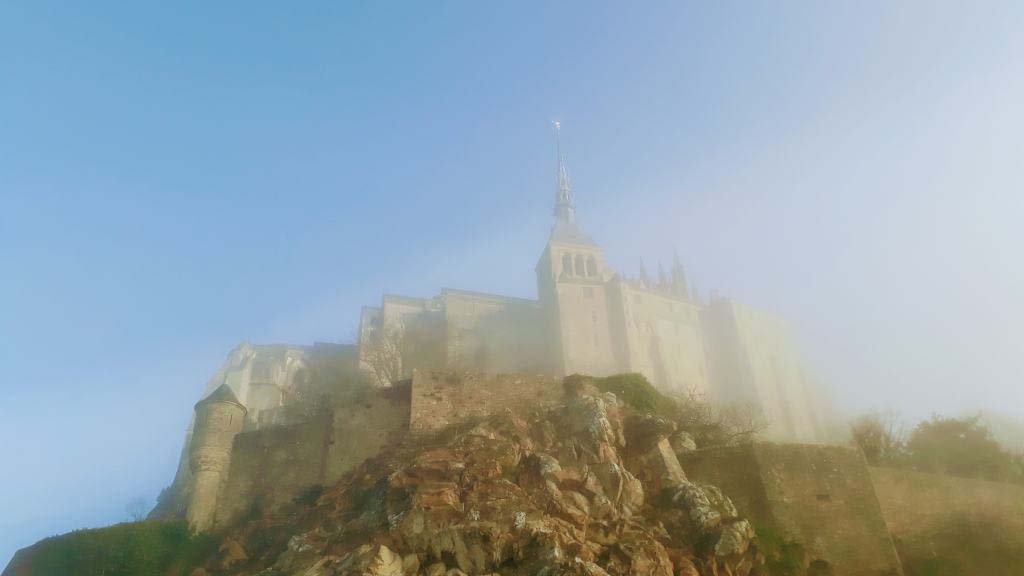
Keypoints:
(582, 487)
(588, 484)
(582, 477)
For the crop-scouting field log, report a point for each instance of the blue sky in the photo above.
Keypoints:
(177, 178)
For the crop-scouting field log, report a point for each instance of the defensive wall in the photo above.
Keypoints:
(820, 496)
(271, 466)
(971, 523)
(824, 497)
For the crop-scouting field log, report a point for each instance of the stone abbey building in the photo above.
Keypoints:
(589, 319)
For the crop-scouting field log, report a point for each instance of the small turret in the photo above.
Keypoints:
(645, 280)
(219, 418)
(679, 286)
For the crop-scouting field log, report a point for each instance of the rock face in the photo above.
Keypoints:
(544, 492)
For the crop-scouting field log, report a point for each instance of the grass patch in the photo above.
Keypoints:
(149, 548)
(632, 389)
(783, 557)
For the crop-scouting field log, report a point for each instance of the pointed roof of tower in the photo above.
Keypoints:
(223, 393)
(565, 230)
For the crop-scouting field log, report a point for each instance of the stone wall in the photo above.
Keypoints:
(753, 360)
(964, 521)
(361, 429)
(820, 496)
(664, 339)
(487, 333)
(270, 467)
(442, 399)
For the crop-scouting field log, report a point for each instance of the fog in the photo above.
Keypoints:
(172, 189)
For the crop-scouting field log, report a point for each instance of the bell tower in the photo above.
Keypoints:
(572, 283)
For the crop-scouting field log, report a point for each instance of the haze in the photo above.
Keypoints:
(177, 179)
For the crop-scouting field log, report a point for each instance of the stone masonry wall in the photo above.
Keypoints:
(271, 467)
(918, 505)
(362, 428)
(821, 496)
(441, 399)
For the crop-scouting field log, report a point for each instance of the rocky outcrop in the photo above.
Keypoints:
(520, 493)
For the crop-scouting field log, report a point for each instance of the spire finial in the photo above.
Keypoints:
(564, 208)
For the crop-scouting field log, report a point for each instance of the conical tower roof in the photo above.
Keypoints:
(223, 393)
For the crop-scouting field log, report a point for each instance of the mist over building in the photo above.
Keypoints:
(588, 318)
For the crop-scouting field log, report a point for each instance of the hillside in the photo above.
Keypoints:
(589, 487)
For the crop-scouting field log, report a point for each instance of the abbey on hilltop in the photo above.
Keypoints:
(260, 409)
(590, 319)
(587, 319)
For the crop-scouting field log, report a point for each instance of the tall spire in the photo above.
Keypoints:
(565, 211)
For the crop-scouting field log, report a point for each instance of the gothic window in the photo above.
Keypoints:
(591, 266)
(567, 264)
(580, 267)
(593, 316)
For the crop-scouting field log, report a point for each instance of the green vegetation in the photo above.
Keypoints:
(782, 557)
(632, 389)
(690, 413)
(148, 548)
(957, 446)
(309, 495)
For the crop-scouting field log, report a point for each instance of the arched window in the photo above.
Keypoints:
(567, 264)
(580, 266)
(591, 266)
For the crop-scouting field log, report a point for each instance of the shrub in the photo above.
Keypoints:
(959, 447)
(880, 437)
(632, 389)
(782, 557)
(129, 549)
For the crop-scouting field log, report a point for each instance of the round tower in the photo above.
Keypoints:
(219, 417)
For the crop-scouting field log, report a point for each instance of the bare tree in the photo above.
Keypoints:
(385, 355)
(881, 436)
(719, 426)
(136, 508)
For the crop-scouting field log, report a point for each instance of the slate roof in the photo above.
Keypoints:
(223, 393)
(565, 232)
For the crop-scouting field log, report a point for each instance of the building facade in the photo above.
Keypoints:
(590, 319)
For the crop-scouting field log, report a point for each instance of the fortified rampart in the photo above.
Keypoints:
(825, 498)
(819, 496)
(928, 514)
(271, 466)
